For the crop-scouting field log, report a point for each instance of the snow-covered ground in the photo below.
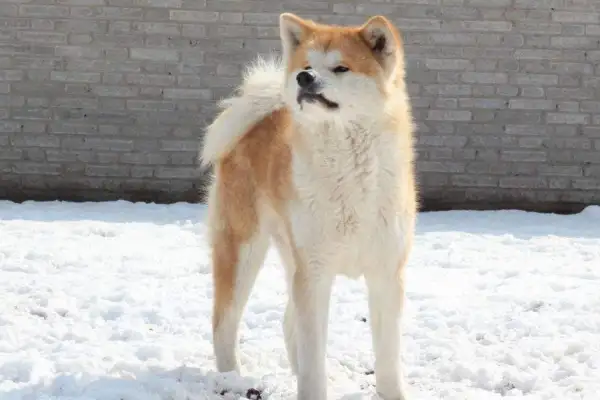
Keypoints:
(112, 301)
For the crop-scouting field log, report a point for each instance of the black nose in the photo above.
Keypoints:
(305, 78)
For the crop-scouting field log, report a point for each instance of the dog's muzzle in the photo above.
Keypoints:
(310, 90)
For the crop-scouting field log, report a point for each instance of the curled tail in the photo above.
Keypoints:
(258, 96)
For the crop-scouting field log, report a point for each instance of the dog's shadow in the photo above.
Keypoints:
(182, 383)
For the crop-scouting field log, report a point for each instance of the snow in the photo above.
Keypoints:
(111, 301)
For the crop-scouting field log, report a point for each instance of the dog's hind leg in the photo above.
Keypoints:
(239, 246)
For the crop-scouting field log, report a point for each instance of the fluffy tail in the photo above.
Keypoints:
(258, 96)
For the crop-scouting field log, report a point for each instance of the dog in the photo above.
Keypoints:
(314, 151)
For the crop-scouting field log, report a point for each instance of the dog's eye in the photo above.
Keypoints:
(307, 67)
(340, 69)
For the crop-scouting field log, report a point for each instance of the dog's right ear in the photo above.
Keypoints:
(292, 30)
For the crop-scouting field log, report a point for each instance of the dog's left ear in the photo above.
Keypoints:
(385, 42)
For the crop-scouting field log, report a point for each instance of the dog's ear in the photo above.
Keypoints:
(292, 30)
(385, 42)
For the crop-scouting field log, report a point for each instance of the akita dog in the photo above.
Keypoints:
(316, 153)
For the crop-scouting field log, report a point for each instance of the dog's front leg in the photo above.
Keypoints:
(386, 293)
(311, 292)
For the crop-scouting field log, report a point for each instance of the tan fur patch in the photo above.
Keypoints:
(258, 168)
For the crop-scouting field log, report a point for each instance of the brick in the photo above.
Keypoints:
(344, 8)
(573, 30)
(474, 181)
(537, 54)
(115, 91)
(141, 172)
(233, 31)
(534, 79)
(80, 26)
(42, 37)
(77, 51)
(539, 27)
(191, 81)
(176, 172)
(577, 17)
(487, 26)
(586, 184)
(482, 103)
(33, 127)
(541, 4)
(178, 145)
(73, 128)
(109, 13)
(567, 106)
(80, 38)
(74, 76)
(445, 103)
(75, 102)
(570, 94)
(440, 166)
(575, 42)
(591, 170)
(194, 16)
(591, 131)
(449, 115)
(112, 78)
(158, 3)
(560, 170)
(150, 79)
(447, 64)
(194, 31)
(154, 54)
(523, 155)
(11, 155)
(31, 10)
(107, 170)
(506, 90)
(567, 118)
(448, 90)
(165, 28)
(592, 30)
(443, 141)
(158, 105)
(97, 144)
(530, 142)
(201, 94)
(484, 77)
(144, 158)
(572, 81)
(568, 143)
(531, 104)
(11, 75)
(532, 92)
(27, 140)
(32, 168)
(590, 106)
(488, 142)
(261, 18)
(523, 182)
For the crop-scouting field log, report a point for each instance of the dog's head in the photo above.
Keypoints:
(339, 72)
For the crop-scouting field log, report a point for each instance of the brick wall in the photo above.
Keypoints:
(104, 99)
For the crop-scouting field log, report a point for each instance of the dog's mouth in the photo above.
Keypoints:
(311, 97)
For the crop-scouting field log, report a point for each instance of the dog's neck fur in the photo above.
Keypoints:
(336, 144)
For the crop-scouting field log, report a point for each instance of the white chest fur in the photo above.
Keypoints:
(347, 193)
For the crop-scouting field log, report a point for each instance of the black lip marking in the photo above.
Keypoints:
(311, 97)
